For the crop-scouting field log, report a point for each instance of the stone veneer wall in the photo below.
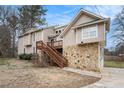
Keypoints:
(43, 59)
(82, 56)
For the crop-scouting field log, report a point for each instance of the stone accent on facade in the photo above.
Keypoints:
(82, 56)
(43, 59)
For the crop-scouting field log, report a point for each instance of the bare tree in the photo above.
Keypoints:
(4, 14)
(5, 36)
(12, 21)
(118, 32)
(118, 27)
(8, 29)
(120, 48)
(5, 41)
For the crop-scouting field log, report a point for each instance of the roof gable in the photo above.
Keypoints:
(82, 16)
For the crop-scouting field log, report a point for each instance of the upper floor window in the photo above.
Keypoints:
(89, 33)
(59, 31)
(56, 32)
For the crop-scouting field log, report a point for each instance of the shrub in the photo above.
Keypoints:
(25, 56)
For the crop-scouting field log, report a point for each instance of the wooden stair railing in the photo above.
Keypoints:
(55, 56)
(60, 55)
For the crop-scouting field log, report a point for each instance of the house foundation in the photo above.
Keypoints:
(83, 56)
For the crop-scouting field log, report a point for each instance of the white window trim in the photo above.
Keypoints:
(89, 38)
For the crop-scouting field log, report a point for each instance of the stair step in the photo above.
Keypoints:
(57, 58)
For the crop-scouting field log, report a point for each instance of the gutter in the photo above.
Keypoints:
(87, 24)
(26, 33)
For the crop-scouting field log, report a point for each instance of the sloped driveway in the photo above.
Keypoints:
(111, 78)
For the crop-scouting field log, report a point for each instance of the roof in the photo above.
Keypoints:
(32, 30)
(78, 15)
(60, 26)
(92, 22)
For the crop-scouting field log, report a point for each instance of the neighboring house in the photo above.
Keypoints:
(82, 41)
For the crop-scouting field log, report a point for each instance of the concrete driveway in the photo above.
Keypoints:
(110, 78)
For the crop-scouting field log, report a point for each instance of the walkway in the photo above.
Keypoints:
(111, 77)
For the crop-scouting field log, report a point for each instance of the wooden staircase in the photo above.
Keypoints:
(54, 55)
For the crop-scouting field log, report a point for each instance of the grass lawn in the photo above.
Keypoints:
(114, 64)
(3, 61)
(22, 74)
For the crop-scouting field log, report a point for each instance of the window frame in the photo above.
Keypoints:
(89, 37)
(57, 31)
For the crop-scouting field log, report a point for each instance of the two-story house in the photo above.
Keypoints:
(82, 40)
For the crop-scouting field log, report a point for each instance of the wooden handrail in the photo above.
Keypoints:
(52, 53)
(58, 53)
(43, 47)
(55, 43)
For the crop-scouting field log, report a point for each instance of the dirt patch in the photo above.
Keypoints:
(22, 74)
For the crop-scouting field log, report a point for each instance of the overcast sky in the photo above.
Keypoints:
(62, 14)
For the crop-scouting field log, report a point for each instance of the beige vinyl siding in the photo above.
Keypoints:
(28, 50)
(73, 37)
(46, 33)
(83, 19)
(27, 39)
(78, 36)
(39, 36)
(20, 46)
(101, 32)
(69, 38)
(31, 39)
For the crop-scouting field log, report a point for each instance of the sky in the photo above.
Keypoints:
(62, 14)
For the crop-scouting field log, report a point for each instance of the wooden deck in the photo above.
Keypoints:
(56, 44)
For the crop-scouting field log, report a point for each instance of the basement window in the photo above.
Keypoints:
(89, 32)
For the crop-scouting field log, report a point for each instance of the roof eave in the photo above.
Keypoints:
(75, 18)
(95, 22)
